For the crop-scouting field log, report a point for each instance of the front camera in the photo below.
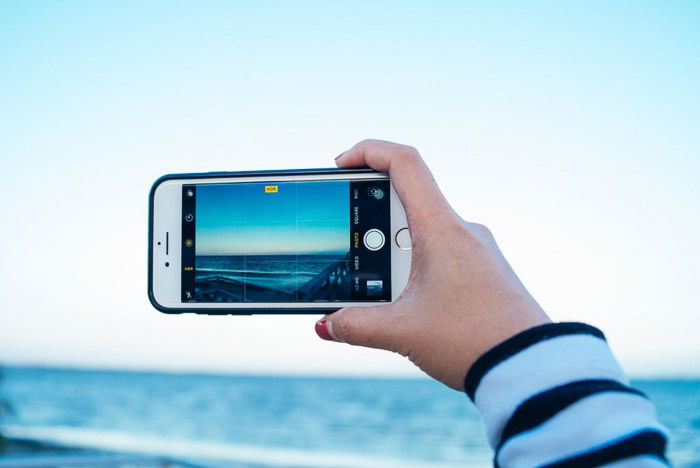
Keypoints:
(167, 264)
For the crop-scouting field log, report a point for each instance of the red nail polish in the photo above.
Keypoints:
(322, 330)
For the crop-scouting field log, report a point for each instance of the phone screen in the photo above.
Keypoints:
(297, 241)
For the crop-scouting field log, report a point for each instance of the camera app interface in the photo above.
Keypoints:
(305, 241)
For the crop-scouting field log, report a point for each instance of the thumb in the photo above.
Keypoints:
(373, 327)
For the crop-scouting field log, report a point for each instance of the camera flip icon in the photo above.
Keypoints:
(375, 192)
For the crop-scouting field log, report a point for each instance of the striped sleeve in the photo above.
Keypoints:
(555, 396)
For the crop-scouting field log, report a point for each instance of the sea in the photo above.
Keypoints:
(285, 273)
(273, 421)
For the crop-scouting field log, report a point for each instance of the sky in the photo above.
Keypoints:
(297, 218)
(569, 128)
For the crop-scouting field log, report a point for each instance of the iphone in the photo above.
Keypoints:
(294, 241)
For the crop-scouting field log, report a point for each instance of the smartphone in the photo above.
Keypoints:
(296, 241)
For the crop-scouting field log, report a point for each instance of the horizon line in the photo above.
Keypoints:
(250, 373)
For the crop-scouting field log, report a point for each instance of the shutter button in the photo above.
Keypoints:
(374, 239)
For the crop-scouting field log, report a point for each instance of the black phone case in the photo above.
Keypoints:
(214, 175)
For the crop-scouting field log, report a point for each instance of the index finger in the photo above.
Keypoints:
(410, 176)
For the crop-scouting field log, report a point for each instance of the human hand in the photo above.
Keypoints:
(462, 297)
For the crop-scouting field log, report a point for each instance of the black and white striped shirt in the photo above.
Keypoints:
(554, 396)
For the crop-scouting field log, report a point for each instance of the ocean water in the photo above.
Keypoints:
(285, 273)
(283, 421)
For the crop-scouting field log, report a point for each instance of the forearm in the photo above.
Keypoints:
(554, 395)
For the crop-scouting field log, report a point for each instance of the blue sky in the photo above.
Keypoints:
(298, 218)
(569, 128)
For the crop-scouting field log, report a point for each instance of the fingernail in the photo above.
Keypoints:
(322, 327)
(338, 157)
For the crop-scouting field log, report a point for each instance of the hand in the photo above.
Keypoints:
(462, 297)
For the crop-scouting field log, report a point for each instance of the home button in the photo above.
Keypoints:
(403, 239)
(374, 239)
